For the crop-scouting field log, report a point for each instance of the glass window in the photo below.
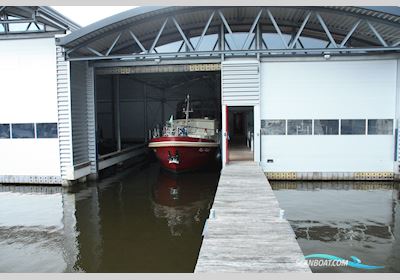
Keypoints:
(273, 127)
(46, 130)
(23, 130)
(299, 127)
(4, 131)
(353, 127)
(326, 127)
(380, 126)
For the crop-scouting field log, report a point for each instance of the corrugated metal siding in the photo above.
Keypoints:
(79, 113)
(240, 82)
(64, 113)
(91, 119)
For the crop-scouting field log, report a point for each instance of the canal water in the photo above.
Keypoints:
(142, 220)
(345, 219)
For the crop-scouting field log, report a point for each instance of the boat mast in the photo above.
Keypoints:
(187, 111)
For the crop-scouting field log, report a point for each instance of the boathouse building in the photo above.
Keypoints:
(307, 92)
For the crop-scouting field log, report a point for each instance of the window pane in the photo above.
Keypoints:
(380, 127)
(353, 127)
(299, 127)
(4, 131)
(273, 127)
(23, 130)
(46, 130)
(326, 127)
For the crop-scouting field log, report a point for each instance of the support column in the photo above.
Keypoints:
(145, 113)
(221, 40)
(396, 167)
(91, 115)
(257, 133)
(64, 117)
(258, 39)
(117, 118)
(224, 137)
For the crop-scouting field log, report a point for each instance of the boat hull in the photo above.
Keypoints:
(181, 154)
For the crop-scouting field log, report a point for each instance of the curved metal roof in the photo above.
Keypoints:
(139, 30)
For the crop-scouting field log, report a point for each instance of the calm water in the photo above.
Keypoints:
(137, 221)
(345, 219)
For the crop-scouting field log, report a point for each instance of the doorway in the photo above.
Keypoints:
(240, 133)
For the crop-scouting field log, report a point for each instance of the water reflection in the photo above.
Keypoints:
(345, 219)
(136, 221)
(183, 200)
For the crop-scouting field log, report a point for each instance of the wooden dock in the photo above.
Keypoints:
(245, 231)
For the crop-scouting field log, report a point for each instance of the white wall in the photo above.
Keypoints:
(28, 93)
(328, 90)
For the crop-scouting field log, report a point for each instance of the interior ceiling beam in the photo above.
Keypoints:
(272, 52)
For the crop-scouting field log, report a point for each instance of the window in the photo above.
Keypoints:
(273, 127)
(46, 130)
(353, 127)
(376, 127)
(299, 127)
(326, 127)
(4, 131)
(23, 130)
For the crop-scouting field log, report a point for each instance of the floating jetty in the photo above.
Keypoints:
(245, 231)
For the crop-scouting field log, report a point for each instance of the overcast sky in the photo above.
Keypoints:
(85, 15)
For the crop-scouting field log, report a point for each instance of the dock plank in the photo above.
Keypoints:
(245, 233)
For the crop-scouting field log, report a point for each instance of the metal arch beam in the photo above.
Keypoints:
(2, 8)
(204, 31)
(350, 33)
(185, 39)
(113, 44)
(276, 26)
(253, 26)
(158, 35)
(300, 30)
(221, 15)
(137, 41)
(383, 42)
(327, 32)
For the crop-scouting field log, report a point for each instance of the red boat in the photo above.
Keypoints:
(186, 144)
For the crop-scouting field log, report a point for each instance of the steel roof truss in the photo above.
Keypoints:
(137, 41)
(185, 39)
(327, 32)
(113, 44)
(350, 33)
(383, 42)
(221, 15)
(205, 31)
(158, 36)
(94, 51)
(253, 26)
(300, 30)
(276, 26)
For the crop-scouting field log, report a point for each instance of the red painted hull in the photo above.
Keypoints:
(180, 154)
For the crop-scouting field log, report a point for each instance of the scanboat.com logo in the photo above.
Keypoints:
(330, 260)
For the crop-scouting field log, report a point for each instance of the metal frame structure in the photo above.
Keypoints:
(19, 21)
(137, 34)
